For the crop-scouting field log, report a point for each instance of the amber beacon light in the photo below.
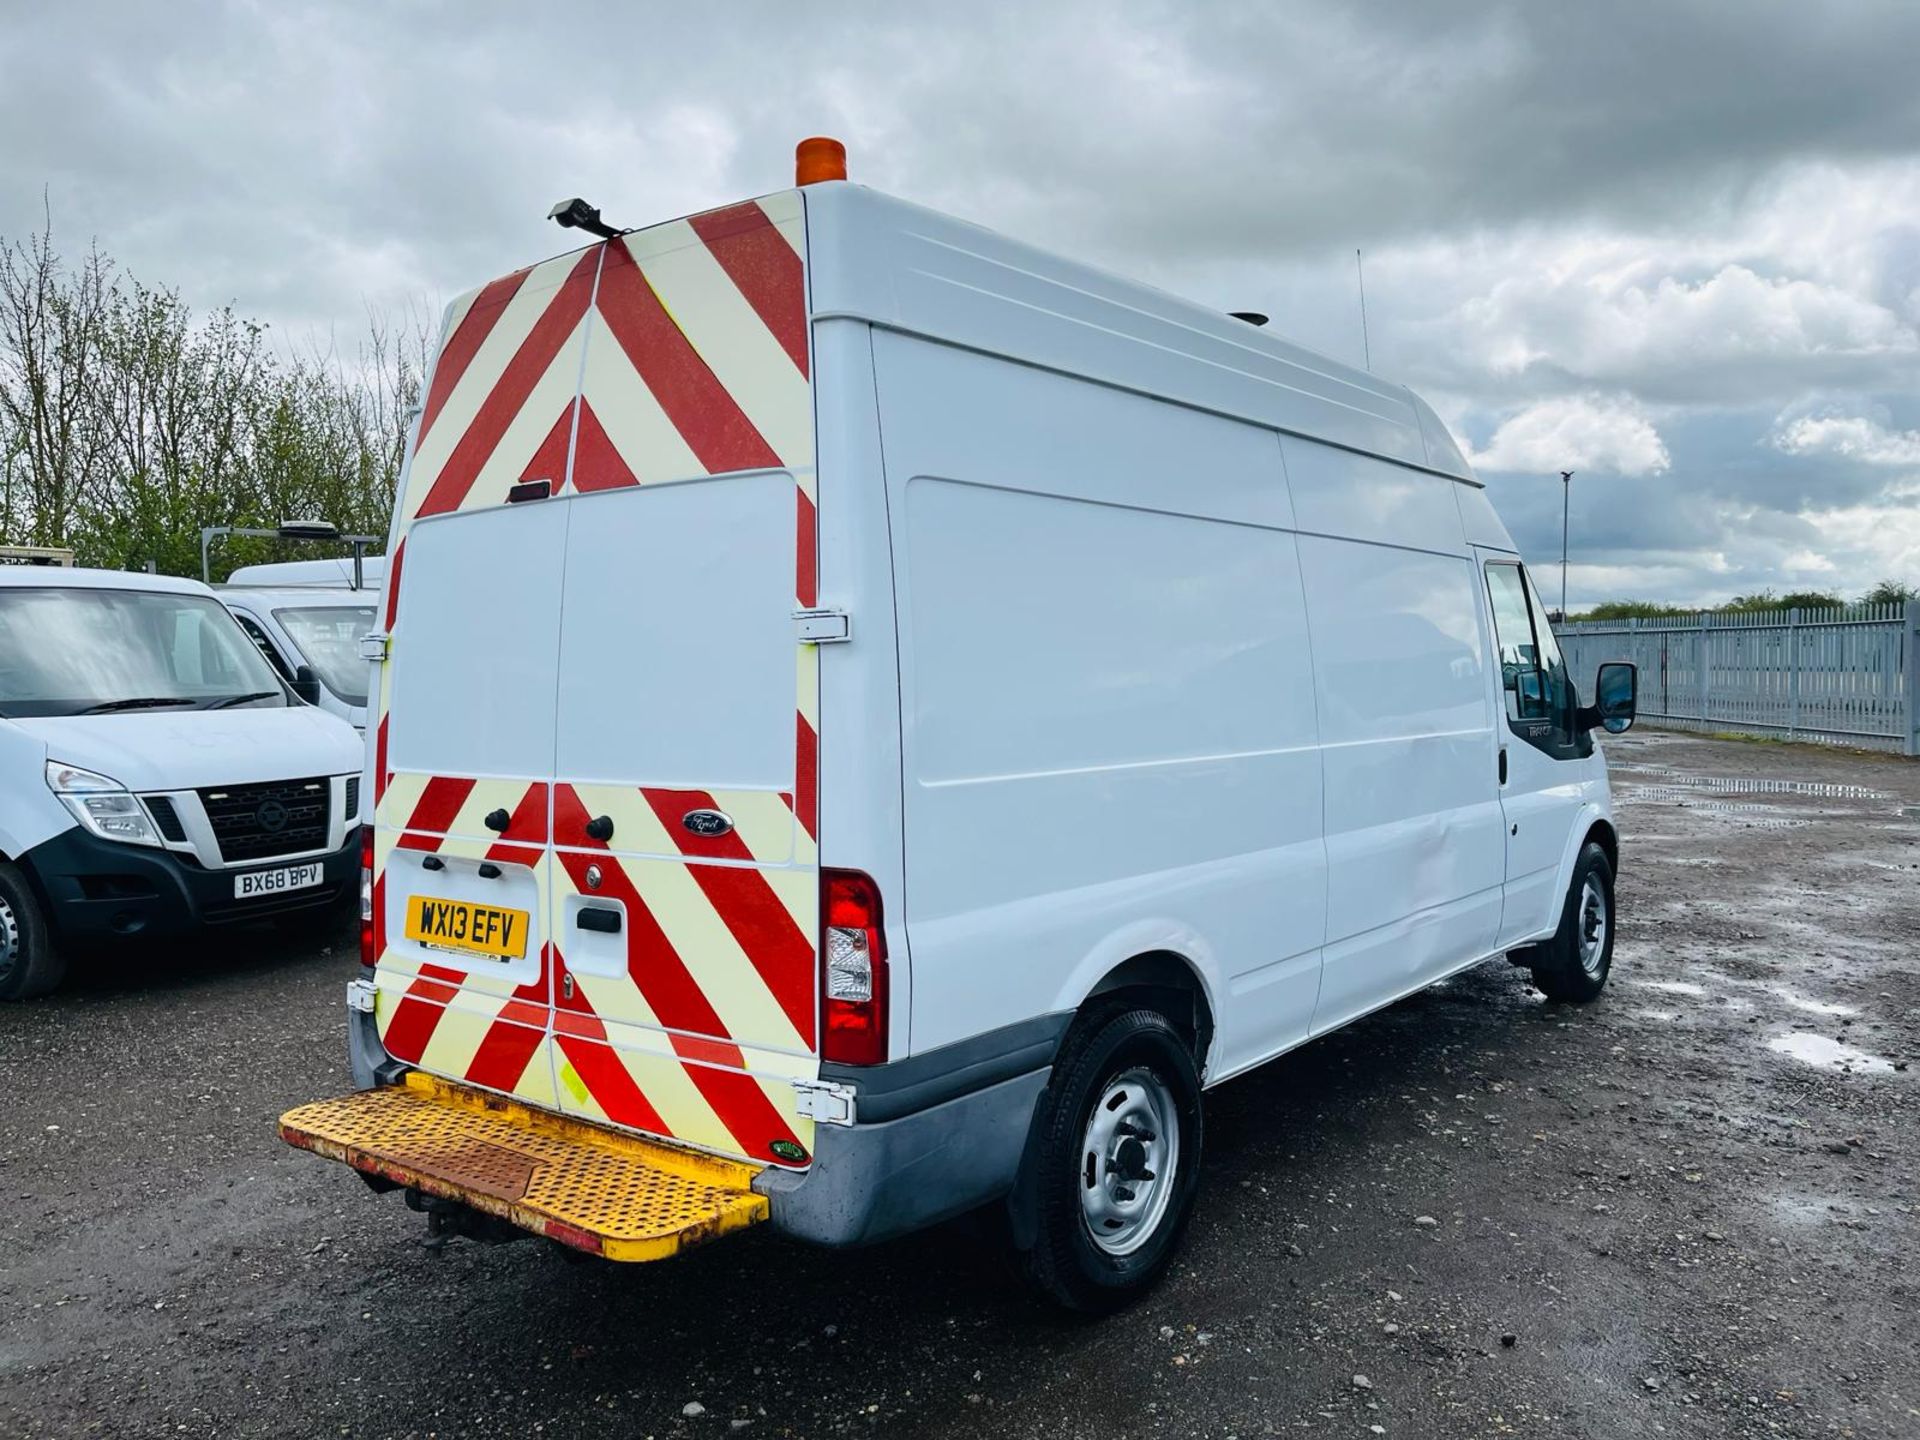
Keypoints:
(819, 158)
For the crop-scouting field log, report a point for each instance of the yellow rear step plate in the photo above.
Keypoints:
(610, 1194)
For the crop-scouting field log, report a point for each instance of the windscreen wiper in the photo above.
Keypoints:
(243, 699)
(139, 702)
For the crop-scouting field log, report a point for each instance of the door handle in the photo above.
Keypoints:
(1503, 764)
(606, 922)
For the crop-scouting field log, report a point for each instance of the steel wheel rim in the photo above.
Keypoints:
(9, 936)
(1129, 1159)
(1592, 921)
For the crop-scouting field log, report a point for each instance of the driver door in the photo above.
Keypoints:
(1544, 754)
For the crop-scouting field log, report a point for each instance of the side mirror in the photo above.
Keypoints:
(1616, 695)
(307, 685)
(1530, 690)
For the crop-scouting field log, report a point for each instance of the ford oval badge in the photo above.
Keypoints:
(707, 823)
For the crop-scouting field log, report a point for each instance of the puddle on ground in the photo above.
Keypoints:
(1673, 987)
(1746, 785)
(1807, 1004)
(1746, 811)
(1816, 1209)
(1826, 1054)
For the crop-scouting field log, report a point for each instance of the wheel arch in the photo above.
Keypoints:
(1602, 833)
(1163, 979)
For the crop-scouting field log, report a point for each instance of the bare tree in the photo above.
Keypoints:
(127, 423)
(50, 341)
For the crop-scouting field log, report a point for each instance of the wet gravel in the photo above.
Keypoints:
(1689, 1209)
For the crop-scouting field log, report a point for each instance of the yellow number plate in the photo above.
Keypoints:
(462, 925)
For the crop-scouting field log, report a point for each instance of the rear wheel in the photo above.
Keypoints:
(1118, 1160)
(1575, 963)
(30, 963)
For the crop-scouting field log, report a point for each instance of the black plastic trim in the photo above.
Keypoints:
(905, 1087)
(179, 895)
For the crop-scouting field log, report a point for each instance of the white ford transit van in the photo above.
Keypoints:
(155, 774)
(876, 718)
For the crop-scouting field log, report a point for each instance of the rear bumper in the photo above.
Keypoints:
(97, 890)
(938, 1135)
(873, 1182)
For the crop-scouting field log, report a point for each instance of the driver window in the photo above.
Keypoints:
(1521, 679)
(1559, 697)
(263, 644)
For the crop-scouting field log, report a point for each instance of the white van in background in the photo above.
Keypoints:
(155, 773)
(334, 573)
(311, 635)
(877, 716)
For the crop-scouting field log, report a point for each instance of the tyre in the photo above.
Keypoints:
(1574, 964)
(1117, 1160)
(30, 963)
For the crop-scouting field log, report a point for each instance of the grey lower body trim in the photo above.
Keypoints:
(366, 1056)
(933, 1077)
(873, 1182)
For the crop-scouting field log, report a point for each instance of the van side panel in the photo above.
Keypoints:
(1415, 840)
(1108, 725)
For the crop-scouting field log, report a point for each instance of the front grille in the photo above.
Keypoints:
(254, 822)
(166, 817)
(350, 808)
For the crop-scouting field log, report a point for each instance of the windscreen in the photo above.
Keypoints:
(78, 652)
(328, 638)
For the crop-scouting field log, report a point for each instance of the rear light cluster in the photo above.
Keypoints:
(366, 896)
(853, 977)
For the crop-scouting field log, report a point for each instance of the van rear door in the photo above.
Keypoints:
(686, 885)
(463, 739)
(685, 888)
(678, 865)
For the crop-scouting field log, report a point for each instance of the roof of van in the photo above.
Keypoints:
(63, 577)
(302, 597)
(334, 573)
(899, 265)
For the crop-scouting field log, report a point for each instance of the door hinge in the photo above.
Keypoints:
(374, 647)
(360, 996)
(824, 1103)
(822, 626)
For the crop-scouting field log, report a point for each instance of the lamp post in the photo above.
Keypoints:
(1566, 492)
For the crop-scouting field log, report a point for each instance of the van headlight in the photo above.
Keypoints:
(103, 805)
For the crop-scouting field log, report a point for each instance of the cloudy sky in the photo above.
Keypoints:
(1674, 247)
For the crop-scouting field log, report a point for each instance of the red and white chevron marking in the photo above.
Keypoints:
(668, 354)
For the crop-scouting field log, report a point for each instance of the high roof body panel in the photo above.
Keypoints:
(883, 260)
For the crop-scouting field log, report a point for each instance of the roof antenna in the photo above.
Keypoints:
(1366, 346)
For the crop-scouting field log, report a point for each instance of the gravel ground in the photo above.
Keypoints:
(1688, 1209)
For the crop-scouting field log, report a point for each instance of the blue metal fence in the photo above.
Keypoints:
(1843, 677)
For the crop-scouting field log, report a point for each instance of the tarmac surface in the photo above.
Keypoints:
(1691, 1209)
